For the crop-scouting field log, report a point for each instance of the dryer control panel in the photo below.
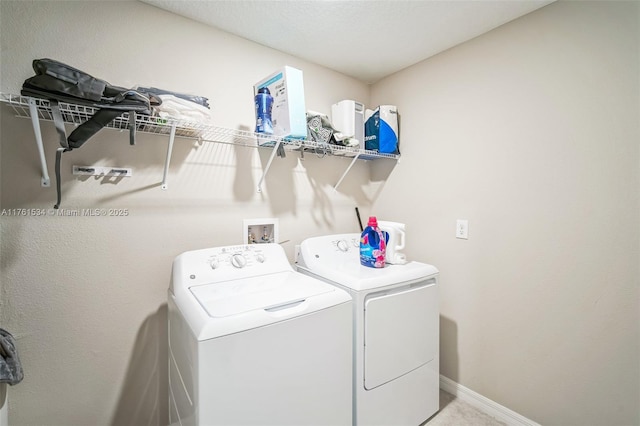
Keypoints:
(332, 249)
(336, 246)
(347, 243)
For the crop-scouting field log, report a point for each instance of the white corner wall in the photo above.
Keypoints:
(85, 296)
(4, 404)
(531, 133)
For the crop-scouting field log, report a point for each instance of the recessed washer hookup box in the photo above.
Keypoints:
(288, 113)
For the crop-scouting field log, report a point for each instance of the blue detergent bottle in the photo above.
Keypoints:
(372, 245)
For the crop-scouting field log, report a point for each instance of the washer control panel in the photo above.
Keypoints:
(236, 256)
(220, 264)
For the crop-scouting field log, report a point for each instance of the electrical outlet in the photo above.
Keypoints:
(462, 229)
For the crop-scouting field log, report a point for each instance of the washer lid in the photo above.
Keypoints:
(267, 292)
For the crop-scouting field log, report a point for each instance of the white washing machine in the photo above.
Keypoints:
(253, 342)
(396, 330)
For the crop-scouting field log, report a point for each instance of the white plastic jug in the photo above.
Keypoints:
(395, 241)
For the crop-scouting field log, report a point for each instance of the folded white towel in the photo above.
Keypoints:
(181, 109)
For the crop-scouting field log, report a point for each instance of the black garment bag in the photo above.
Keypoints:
(59, 82)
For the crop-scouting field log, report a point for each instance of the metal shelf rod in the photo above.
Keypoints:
(172, 137)
(35, 122)
(266, 169)
(346, 171)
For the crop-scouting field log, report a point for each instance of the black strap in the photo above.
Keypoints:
(59, 153)
(64, 145)
(82, 133)
(59, 123)
(92, 126)
(132, 127)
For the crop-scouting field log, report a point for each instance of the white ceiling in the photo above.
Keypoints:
(365, 39)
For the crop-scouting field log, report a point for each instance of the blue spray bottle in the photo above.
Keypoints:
(264, 104)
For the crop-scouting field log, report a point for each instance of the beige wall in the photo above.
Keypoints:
(85, 296)
(531, 132)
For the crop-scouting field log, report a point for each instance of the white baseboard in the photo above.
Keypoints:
(492, 408)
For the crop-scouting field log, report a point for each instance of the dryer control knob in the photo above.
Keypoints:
(214, 263)
(238, 260)
(342, 245)
(260, 257)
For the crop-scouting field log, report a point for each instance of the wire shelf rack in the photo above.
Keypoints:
(27, 107)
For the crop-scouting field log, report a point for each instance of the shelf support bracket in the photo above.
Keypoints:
(347, 171)
(266, 169)
(172, 137)
(35, 122)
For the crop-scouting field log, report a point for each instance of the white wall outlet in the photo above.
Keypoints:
(462, 229)
(260, 231)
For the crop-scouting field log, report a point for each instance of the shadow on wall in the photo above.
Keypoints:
(449, 362)
(244, 187)
(380, 171)
(279, 181)
(322, 172)
(144, 395)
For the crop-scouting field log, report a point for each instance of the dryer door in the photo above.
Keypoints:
(400, 331)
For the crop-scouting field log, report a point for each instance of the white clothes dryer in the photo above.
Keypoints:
(396, 330)
(253, 342)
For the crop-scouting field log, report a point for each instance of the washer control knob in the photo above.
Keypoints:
(260, 257)
(238, 260)
(214, 263)
(342, 245)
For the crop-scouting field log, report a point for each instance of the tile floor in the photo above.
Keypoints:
(454, 412)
